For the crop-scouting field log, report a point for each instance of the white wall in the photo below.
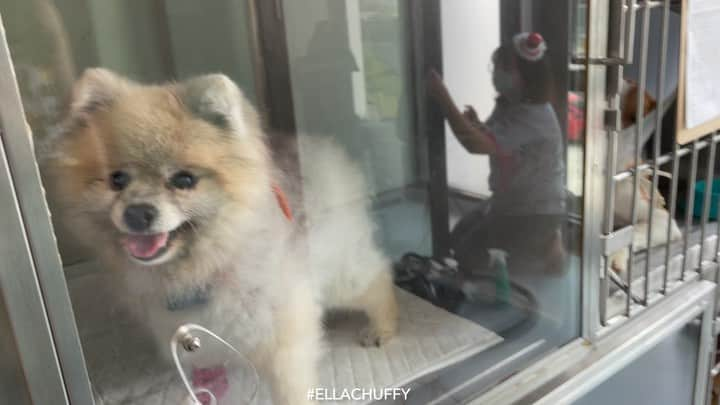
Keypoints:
(471, 32)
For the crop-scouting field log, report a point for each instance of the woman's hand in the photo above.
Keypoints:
(463, 124)
(436, 86)
(471, 115)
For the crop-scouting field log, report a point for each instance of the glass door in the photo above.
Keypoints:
(351, 81)
(40, 347)
(233, 161)
(389, 82)
(50, 44)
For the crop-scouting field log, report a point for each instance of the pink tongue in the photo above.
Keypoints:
(145, 246)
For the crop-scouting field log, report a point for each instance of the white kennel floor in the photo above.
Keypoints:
(124, 370)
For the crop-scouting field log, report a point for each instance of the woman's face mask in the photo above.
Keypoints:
(505, 84)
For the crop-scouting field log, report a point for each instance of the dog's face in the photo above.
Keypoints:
(149, 171)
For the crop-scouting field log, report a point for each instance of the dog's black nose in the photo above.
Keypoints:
(139, 217)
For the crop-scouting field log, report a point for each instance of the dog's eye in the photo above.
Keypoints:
(183, 180)
(119, 180)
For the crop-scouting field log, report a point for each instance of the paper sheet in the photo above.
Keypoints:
(702, 103)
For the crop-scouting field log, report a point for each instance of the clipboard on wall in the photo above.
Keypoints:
(698, 111)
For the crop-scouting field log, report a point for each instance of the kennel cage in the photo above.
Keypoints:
(660, 316)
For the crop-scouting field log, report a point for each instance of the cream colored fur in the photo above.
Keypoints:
(337, 206)
(267, 292)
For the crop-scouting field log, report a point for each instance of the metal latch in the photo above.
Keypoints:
(611, 119)
(617, 240)
(606, 61)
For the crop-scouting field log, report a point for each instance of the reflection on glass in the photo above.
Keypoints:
(524, 141)
(511, 281)
(510, 268)
(350, 82)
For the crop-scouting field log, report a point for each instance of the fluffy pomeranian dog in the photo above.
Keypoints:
(175, 186)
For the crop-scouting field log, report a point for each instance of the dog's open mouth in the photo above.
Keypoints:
(147, 247)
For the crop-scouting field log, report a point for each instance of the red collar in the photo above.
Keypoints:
(282, 202)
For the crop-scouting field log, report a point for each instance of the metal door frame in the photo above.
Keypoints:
(36, 292)
(595, 165)
(573, 370)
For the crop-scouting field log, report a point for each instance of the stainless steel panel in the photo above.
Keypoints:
(26, 309)
(42, 259)
(595, 169)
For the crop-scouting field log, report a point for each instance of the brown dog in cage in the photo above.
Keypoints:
(645, 193)
(629, 105)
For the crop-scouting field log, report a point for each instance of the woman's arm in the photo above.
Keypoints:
(473, 136)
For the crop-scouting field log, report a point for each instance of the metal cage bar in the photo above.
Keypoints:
(595, 165)
(602, 155)
(716, 257)
(656, 139)
(715, 368)
(690, 201)
(638, 153)
(45, 267)
(640, 123)
(709, 143)
(608, 223)
(709, 174)
(651, 170)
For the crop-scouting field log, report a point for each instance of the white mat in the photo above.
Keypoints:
(124, 370)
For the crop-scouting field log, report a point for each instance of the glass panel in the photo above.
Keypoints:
(212, 218)
(350, 82)
(514, 165)
(52, 43)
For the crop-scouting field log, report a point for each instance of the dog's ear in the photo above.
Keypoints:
(216, 99)
(95, 90)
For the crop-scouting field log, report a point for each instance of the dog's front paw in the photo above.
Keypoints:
(371, 336)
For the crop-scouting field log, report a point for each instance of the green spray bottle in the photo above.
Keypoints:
(498, 264)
